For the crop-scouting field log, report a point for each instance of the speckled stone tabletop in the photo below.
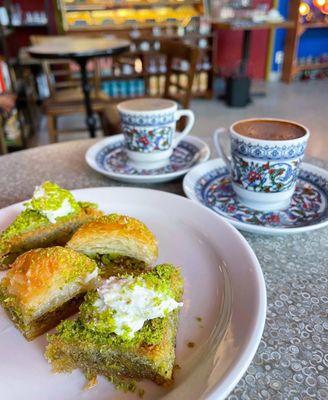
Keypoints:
(292, 359)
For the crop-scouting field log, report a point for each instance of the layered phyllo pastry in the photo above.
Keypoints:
(49, 218)
(118, 242)
(126, 329)
(45, 286)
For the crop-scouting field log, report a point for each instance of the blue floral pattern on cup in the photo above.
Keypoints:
(147, 120)
(147, 140)
(268, 177)
(265, 152)
(309, 203)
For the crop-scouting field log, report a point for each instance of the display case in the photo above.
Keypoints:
(123, 14)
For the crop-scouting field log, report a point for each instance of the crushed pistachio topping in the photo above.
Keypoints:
(52, 202)
(123, 304)
(28, 219)
(129, 302)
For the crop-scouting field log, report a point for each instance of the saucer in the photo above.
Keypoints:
(109, 158)
(210, 185)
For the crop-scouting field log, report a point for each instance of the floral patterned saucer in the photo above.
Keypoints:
(109, 158)
(210, 185)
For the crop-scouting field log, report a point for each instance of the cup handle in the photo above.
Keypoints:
(217, 138)
(190, 123)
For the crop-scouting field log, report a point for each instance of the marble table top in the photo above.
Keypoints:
(292, 359)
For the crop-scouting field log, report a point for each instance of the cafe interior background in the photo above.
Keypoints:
(282, 73)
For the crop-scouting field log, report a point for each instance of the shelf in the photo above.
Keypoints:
(305, 67)
(132, 4)
(249, 25)
(293, 38)
(24, 26)
(122, 27)
(206, 94)
(186, 36)
(132, 76)
(311, 25)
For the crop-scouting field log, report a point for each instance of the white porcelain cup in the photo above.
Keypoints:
(263, 165)
(149, 128)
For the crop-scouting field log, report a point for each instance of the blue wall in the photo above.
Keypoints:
(313, 42)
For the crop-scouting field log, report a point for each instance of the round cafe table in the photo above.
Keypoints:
(292, 359)
(80, 50)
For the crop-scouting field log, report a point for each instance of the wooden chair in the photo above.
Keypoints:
(178, 81)
(66, 96)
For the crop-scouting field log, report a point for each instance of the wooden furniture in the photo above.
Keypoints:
(72, 101)
(180, 63)
(290, 66)
(10, 40)
(144, 23)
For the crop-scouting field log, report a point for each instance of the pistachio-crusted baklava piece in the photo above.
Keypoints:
(45, 286)
(48, 219)
(118, 242)
(126, 329)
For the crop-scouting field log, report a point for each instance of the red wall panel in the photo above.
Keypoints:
(230, 46)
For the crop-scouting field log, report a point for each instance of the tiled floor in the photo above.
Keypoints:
(305, 102)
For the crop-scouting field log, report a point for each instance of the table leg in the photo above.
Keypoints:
(90, 119)
(245, 52)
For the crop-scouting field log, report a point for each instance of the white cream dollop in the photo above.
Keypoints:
(133, 305)
(63, 210)
(51, 214)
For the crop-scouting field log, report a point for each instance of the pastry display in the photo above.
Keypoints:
(49, 218)
(44, 286)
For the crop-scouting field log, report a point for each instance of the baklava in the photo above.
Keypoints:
(126, 329)
(118, 242)
(45, 286)
(49, 219)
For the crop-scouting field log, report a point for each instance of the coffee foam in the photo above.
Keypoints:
(269, 130)
(146, 104)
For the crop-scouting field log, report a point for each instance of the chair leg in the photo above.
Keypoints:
(3, 146)
(103, 124)
(52, 129)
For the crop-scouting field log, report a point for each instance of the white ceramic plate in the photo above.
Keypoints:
(108, 158)
(209, 184)
(223, 285)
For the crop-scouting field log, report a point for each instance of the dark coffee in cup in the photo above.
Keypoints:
(269, 129)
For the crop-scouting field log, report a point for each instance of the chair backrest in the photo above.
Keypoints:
(63, 74)
(181, 60)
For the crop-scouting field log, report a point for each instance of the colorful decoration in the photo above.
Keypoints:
(263, 167)
(312, 10)
(269, 177)
(304, 8)
(113, 158)
(148, 140)
(319, 3)
(308, 205)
